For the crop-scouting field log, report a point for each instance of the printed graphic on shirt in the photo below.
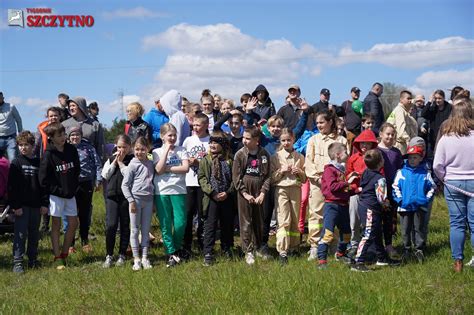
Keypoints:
(64, 167)
(253, 166)
(198, 152)
(173, 159)
(30, 170)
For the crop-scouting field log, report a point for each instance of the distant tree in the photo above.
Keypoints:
(118, 127)
(390, 96)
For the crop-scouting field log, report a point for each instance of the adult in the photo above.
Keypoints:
(63, 100)
(156, 117)
(171, 103)
(265, 107)
(10, 124)
(93, 110)
(404, 123)
(135, 126)
(352, 119)
(435, 112)
(372, 105)
(92, 131)
(323, 104)
(416, 110)
(454, 165)
(291, 111)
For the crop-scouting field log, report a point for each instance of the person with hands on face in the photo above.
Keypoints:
(28, 201)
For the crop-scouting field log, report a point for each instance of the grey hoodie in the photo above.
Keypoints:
(138, 180)
(171, 103)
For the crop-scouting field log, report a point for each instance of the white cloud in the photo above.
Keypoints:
(413, 54)
(115, 107)
(430, 81)
(133, 13)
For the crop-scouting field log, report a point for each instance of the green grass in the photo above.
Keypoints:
(234, 287)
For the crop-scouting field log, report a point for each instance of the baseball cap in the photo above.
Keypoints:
(355, 89)
(295, 87)
(415, 150)
(325, 92)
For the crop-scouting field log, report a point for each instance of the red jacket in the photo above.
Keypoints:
(356, 161)
(334, 186)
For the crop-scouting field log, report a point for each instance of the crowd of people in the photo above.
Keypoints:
(344, 175)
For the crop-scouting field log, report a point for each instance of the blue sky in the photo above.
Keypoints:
(148, 47)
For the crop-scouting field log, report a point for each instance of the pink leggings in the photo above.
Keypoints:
(303, 205)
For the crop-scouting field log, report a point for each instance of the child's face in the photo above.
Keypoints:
(199, 127)
(215, 147)
(261, 96)
(341, 156)
(225, 108)
(368, 124)
(207, 106)
(235, 125)
(170, 137)
(25, 148)
(365, 146)
(287, 142)
(414, 159)
(53, 116)
(140, 151)
(58, 139)
(387, 136)
(244, 104)
(340, 129)
(275, 129)
(249, 142)
(123, 147)
(75, 138)
(323, 125)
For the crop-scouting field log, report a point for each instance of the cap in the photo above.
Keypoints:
(355, 89)
(295, 87)
(415, 150)
(325, 92)
(419, 98)
(416, 141)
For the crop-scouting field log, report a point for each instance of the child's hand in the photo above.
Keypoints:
(352, 179)
(18, 212)
(44, 210)
(193, 161)
(167, 147)
(251, 104)
(221, 196)
(296, 170)
(249, 198)
(133, 207)
(260, 198)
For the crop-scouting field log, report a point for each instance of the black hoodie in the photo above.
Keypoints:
(372, 183)
(59, 171)
(267, 109)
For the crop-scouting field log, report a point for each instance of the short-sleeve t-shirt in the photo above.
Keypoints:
(170, 183)
(253, 166)
(196, 148)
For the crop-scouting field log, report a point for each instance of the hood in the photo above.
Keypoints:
(81, 102)
(365, 136)
(171, 102)
(259, 88)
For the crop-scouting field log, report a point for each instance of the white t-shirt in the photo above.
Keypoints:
(196, 148)
(170, 183)
(211, 122)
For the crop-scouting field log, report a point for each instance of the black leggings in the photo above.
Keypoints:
(84, 208)
(193, 207)
(117, 211)
(222, 212)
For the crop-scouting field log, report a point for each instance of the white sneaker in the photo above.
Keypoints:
(120, 261)
(108, 262)
(471, 263)
(313, 253)
(137, 265)
(249, 259)
(146, 263)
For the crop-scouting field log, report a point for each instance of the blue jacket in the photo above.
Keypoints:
(156, 119)
(413, 188)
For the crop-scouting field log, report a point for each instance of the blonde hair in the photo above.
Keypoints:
(275, 119)
(461, 122)
(137, 108)
(289, 132)
(165, 128)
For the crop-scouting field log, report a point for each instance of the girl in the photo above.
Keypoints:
(215, 178)
(170, 192)
(316, 157)
(135, 125)
(251, 177)
(116, 204)
(287, 167)
(393, 161)
(137, 187)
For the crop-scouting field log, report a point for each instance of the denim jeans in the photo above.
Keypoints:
(26, 229)
(8, 144)
(461, 213)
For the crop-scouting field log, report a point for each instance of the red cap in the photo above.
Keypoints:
(415, 150)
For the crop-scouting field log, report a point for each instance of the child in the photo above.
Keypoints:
(251, 177)
(368, 121)
(336, 191)
(287, 167)
(207, 105)
(89, 180)
(316, 158)
(197, 146)
(361, 144)
(235, 122)
(393, 161)
(59, 176)
(117, 205)
(341, 127)
(413, 189)
(172, 164)
(137, 188)
(215, 178)
(27, 200)
(372, 201)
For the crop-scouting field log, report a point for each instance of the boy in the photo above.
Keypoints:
(197, 147)
(59, 176)
(372, 201)
(235, 121)
(336, 191)
(27, 200)
(368, 121)
(413, 190)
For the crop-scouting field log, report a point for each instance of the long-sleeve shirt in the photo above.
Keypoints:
(281, 159)
(138, 180)
(405, 125)
(317, 153)
(10, 120)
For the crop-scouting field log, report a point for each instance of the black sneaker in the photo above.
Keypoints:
(208, 260)
(283, 260)
(34, 264)
(18, 268)
(406, 256)
(184, 254)
(419, 256)
(360, 268)
(228, 254)
(388, 262)
(173, 260)
(343, 258)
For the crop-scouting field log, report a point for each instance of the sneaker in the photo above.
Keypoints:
(108, 262)
(313, 253)
(470, 263)
(391, 252)
(146, 263)
(387, 262)
(342, 258)
(173, 261)
(120, 261)
(87, 248)
(208, 260)
(137, 265)
(184, 254)
(263, 253)
(18, 268)
(59, 263)
(249, 258)
(406, 256)
(323, 265)
(283, 260)
(419, 256)
(360, 268)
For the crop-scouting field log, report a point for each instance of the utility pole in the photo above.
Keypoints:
(122, 109)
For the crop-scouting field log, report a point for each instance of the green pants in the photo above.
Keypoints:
(171, 211)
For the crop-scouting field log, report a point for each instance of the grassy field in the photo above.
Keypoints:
(234, 287)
